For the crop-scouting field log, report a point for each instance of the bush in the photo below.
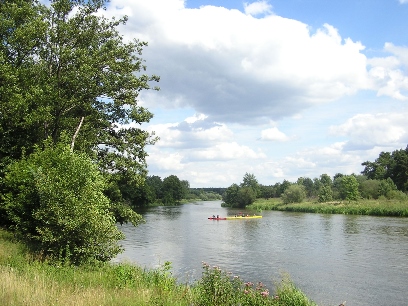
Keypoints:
(325, 194)
(349, 188)
(55, 203)
(294, 194)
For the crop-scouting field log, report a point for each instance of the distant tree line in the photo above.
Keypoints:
(169, 191)
(386, 177)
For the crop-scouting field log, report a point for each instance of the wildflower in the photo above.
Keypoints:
(265, 293)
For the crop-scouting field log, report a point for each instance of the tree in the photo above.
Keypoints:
(308, 183)
(369, 189)
(325, 194)
(282, 187)
(54, 202)
(246, 196)
(399, 169)
(385, 187)
(249, 180)
(64, 68)
(156, 184)
(325, 180)
(267, 191)
(172, 190)
(389, 165)
(379, 169)
(349, 188)
(294, 194)
(186, 188)
(230, 196)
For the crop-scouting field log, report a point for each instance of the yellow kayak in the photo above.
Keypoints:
(243, 217)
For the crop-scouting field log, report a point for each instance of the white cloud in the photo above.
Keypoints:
(193, 132)
(214, 59)
(389, 74)
(168, 162)
(273, 134)
(243, 70)
(366, 131)
(257, 8)
(403, 1)
(225, 151)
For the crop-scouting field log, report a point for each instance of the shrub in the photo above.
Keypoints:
(294, 194)
(349, 188)
(325, 194)
(55, 203)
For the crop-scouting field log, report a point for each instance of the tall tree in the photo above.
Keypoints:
(65, 68)
(392, 165)
(249, 180)
(172, 190)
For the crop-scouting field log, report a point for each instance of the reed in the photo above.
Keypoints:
(381, 207)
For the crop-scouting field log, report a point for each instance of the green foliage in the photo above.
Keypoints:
(238, 197)
(325, 180)
(397, 195)
(217, 287)
(282, 187)
(64, 69)
(294, 194)
(55, 203)
(172, 190)
(156, 184)
(380, 207)
(249, 180)
(349, 188)
(290, 295)
(230, 196)
(386, 186)
(308, 184)
(246, 196)
(325, 194)
(369, 189)
(392, 165)
(267, 192)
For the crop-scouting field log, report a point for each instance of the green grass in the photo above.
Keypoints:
(27, 281)
(382, 207)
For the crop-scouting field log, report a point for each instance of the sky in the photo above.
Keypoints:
(279, 89)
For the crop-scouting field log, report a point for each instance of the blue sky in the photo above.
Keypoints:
(280, 89)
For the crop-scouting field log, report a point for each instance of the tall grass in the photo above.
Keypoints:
(29, 282)
(381, 207)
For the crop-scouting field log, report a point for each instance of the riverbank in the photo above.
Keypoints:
(26, 281)
(392, 208)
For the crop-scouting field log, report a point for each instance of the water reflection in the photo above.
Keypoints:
(333, 258)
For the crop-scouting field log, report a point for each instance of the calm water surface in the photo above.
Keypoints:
(332, 258)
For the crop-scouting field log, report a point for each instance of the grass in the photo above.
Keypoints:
(27, 281)
(381, 207)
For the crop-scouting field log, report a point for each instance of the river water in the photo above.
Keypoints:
(362, 260)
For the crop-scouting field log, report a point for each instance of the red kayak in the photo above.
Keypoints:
(215, 218)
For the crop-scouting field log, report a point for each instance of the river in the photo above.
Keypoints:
(362, 260)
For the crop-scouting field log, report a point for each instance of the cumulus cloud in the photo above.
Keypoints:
(389, 74)
(273, 134)
(233, 67)
(366, 131)
(257, 8)
(193, 132)
(225, 151)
